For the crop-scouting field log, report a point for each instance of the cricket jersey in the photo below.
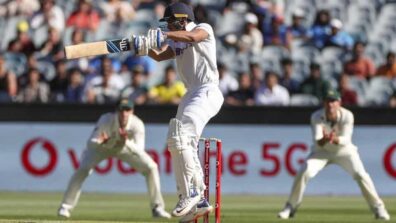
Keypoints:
(196, 62)
(343, 128)
(109, 124)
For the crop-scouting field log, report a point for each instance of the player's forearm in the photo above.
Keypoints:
(96, 144)
(155, 55)
(165, 53)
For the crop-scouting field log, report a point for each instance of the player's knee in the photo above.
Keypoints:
(152, 166)
(83, 171)
(149, 168)
(308, 173)
(358, 176)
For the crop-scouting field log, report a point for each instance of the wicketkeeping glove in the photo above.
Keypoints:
(156, 37)
(140, 45)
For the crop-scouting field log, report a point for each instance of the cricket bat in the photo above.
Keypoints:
(97, 48)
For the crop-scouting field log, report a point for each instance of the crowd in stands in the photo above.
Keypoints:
(270, 52)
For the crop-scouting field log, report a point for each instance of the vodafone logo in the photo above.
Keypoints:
(46, 147)
(387, 161)
(39, 158)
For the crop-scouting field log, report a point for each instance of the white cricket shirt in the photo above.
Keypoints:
(196, 62)
(109, 124)
(343, 128)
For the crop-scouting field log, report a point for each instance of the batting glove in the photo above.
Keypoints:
(156, 38)
(140, 45)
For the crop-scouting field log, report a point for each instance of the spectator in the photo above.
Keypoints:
(114, 79)
(240, 6)
(137, 90)
(159, 10)
(24, 8)
(271, 93)
(389, 68)
(245, 93)
(58, 85)
(49, 15)
(23, 41)
(78, 36)
(8, 82)
(148, 64)
(75, 88)
(338, 37)
(271, 7)
(275, 33)
(392, 100)
(32, 63)
(84, 17)
(227, 82)
(95, 65)
(297, 30)
(287, 80)
(102, 90)
(35, 91)
(14, 46)
(315, 85)
(202, 15)
(170, 91)
(348, 95)
(117, 11)
(252, 37)
(359, 66)
(52, 48)
(320, 29)
(257, 75)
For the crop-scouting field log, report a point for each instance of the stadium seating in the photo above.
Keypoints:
(370, 21)
(378, 91)
(303, 100)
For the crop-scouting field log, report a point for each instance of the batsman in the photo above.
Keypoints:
(194, 48)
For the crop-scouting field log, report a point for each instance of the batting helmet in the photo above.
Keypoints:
(178, 10)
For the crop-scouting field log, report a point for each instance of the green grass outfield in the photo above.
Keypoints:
(30, 207)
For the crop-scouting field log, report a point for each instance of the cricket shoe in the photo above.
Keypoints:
(186, 204)
(381, 213)
(64, 212)
(202, 208)
(287, 212)
(159, 212)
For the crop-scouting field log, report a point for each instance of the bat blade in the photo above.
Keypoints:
(97, 48)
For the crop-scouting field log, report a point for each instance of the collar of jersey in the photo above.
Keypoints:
(190, 26)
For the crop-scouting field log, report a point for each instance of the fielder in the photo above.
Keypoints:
(121, 135)
(194, 48)
(332, 128)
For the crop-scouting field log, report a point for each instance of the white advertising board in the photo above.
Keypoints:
(257, 159)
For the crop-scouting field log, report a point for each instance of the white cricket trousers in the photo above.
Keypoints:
(139, 160)
(349, 159)
(195, 110)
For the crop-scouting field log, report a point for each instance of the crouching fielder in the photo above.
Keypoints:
(332, 129)
(194, 48)
(121, 135)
